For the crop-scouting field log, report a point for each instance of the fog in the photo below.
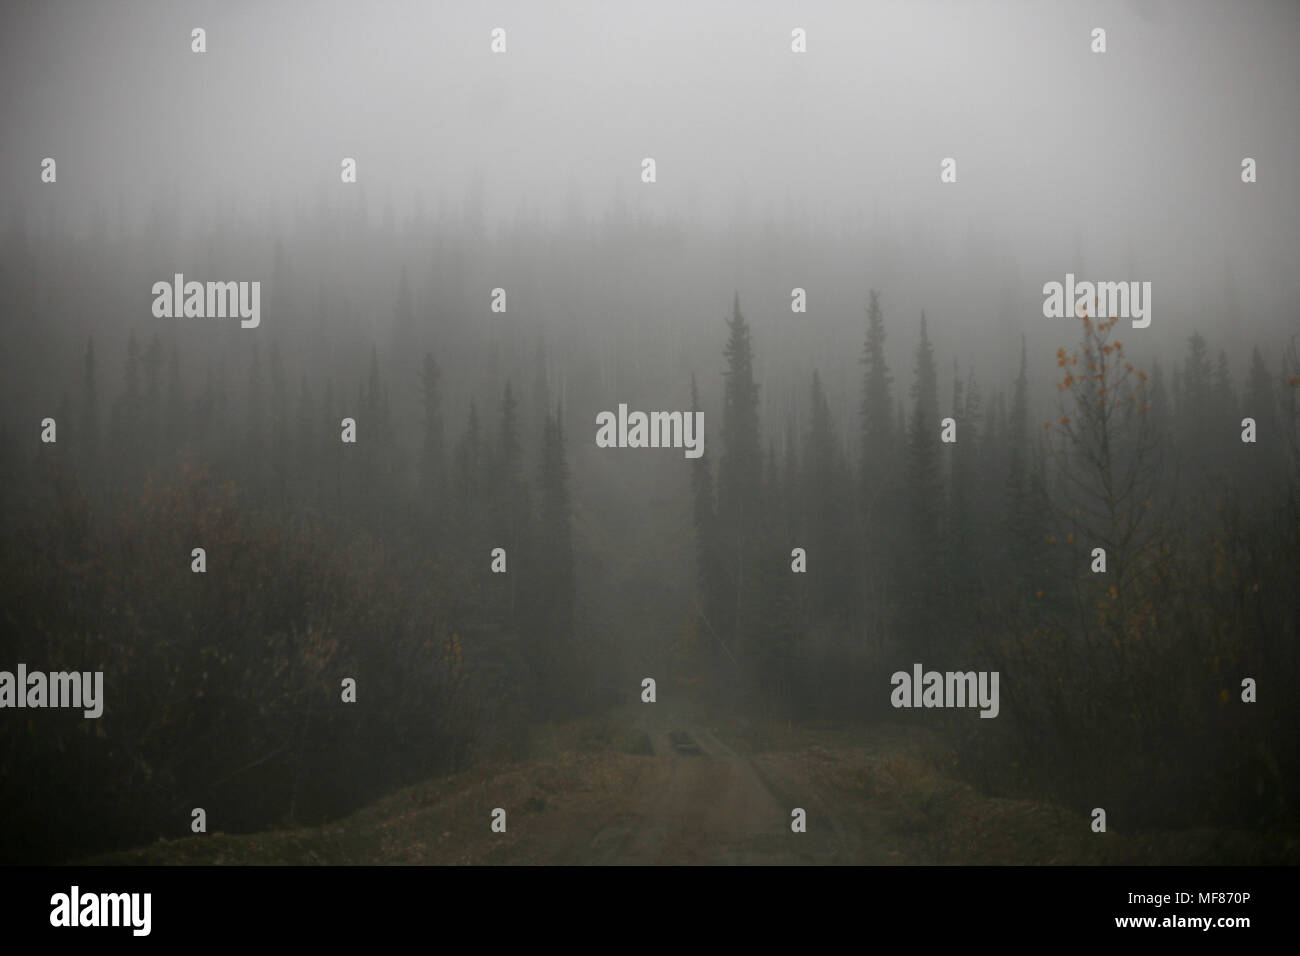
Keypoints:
(522, 171)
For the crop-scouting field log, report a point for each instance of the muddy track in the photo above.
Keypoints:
(697, 802)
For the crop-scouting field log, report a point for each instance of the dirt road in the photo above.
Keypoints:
(653, 787)
(697, 801)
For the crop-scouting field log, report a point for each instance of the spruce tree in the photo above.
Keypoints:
(707, 557)
(554, 573)
(828, 509)
(877, 413)
(879, 485)
(739, 473)
(925, 588)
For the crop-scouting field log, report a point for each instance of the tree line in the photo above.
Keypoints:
(982, 552)
(324, 560)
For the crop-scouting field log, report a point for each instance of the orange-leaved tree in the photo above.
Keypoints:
(1104, 443)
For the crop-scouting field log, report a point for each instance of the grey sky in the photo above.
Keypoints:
(1118, 166)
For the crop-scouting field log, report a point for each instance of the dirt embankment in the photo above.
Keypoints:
(654, 788)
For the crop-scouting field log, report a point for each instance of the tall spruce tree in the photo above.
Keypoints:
(877, 411)
(739, 474)
(554, 573)
(878, 503)
(924, 496)
(510, 504)
(1017, 517)
(828, 509)
(708, 560)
